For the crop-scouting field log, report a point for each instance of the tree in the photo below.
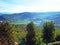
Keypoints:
(6, 30)
(48, 32)
(30, 37)
(4, 33)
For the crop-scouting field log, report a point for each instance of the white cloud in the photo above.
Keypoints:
(36, 6)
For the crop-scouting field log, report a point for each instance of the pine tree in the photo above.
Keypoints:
(30, 38)
(48, 32)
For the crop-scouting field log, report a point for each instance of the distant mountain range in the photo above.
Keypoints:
(37, 17)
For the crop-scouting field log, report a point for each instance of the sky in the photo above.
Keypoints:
(16, 6)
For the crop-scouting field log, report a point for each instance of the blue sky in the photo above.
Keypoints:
(16, 6)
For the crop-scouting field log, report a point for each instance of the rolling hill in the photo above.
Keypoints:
(37, 17)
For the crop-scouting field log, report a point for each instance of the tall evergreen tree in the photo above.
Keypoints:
(48, 32)
(30, 38)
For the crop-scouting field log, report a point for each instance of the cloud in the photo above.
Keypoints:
(29, 6)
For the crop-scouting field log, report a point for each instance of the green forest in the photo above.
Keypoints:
(29, 34)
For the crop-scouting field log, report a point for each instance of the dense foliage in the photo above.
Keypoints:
(11, 34)
(30, 38)
(48, 32)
